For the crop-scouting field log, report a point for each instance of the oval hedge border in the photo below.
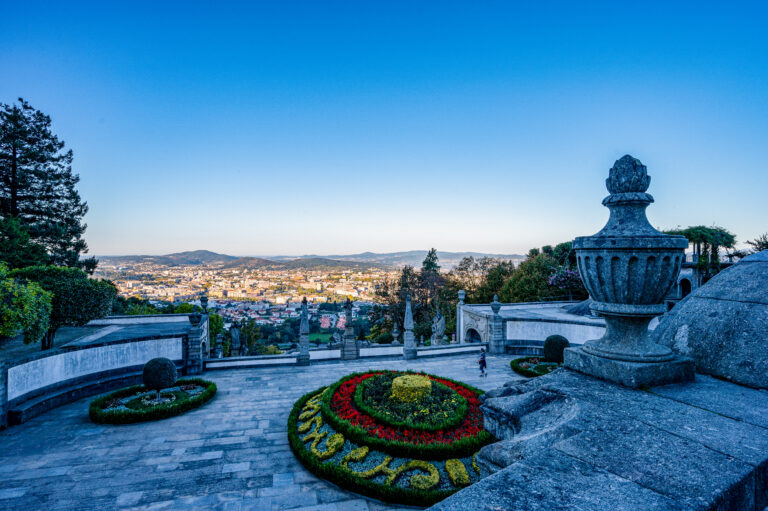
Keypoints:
(349, 481)
(101, 416)
(460, 448)
(449, 423)
(522, 371)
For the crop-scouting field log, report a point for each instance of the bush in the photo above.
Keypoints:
(159, 373)
(23, 308)
(535, 367)
(385, 338)
(126, 416)
(553, 348)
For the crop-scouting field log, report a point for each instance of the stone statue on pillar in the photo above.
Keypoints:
(303, 358)
(438, 329)
(349, 349)
(234, 332)
(409, 340)
(218, 351)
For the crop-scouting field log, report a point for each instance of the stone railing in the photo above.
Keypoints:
(96, 363)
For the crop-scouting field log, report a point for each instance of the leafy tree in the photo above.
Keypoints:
(186, 308)
(707, 242)
(16, 249)
(530, 281)
(37, 185)
(759, 244)
(215, 327)
(76, 299)
(430, 263)
(24, 307)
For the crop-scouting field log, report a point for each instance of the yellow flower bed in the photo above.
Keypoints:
(410, 387)
(457, 472)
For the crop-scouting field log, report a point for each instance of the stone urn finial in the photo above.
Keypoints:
(628, 267)
(495, 305)
(462, 296)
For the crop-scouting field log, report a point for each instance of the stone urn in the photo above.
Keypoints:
(628, 268)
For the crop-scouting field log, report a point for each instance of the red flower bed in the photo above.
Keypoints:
(342, 404)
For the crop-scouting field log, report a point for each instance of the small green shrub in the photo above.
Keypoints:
(159, 373)
(100, 415)
(554, 346)
(532, 367)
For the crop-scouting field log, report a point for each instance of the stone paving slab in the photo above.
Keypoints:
(231, 454)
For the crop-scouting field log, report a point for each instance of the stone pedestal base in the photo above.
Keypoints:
(409, 353)
(630, 374)
(350, 350)
(302, 360)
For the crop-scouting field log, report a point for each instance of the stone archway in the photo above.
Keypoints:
(685, 288)
(472, 335)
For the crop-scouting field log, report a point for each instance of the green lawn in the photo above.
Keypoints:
(320, 337)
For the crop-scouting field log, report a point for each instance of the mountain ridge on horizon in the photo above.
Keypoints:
(364, 259)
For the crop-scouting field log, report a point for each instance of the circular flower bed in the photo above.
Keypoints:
(138, 404)
(532, 366)
(399, 437)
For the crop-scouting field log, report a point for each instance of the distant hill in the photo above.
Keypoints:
(415, 257)
(180, 258)
(362, 261)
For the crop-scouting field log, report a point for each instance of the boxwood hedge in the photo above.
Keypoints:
(126, 416)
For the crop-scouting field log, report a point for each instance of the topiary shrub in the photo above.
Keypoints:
(554, 346)
(159, 373)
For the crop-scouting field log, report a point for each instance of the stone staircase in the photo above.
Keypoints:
(525, 348)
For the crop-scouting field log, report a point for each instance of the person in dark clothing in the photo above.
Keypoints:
(482, 363)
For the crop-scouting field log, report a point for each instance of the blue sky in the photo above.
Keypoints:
(338, 127)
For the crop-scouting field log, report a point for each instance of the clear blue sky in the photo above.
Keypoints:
(337, 127)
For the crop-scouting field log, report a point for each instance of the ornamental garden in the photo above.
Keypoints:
(400, 437)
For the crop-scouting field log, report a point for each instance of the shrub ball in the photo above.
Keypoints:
(553, 348)
(159, 373)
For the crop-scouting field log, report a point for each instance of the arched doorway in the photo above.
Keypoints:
(472, 335)
(685, 288)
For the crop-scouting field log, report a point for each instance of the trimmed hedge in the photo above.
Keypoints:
(436, 451)
(349, 481)
(382, 418)
(101, 416)
(523, 371)
(554, 345)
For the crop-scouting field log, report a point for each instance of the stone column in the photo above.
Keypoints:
(349, 348)
(219, 349)
(459, 307)
(496, 343)
(303, 358)
(409, 340)
(628, 267)
(194, 346)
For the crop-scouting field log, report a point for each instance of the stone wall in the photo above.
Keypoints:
(533, 330)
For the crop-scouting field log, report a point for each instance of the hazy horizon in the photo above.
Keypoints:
(341, 128)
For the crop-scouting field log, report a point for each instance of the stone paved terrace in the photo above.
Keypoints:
(231, 454)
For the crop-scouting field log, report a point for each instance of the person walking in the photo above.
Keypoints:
(482, 363)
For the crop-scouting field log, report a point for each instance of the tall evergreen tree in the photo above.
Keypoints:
(37, 185)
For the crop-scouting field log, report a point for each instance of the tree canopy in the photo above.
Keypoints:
(76, 298)
(24, 308)
(759, 244)
(38, 187)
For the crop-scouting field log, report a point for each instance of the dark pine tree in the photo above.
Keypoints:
(37, 185)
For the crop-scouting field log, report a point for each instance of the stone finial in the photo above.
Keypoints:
(462, 296)
(204, 303)
(408, 322)
(495, 305)
(628, 175)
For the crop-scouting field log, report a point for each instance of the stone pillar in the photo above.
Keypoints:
(628, 267)
(234, 347)
(496, 343)
(3, 395)
(409, 340)
(303, 358)
(349, 349)
(194, 346)
(459, 306)
(395, 335)
(218, 351)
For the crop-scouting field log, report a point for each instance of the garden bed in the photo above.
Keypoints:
(138, 404)
(533, 366)
(399, 437)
